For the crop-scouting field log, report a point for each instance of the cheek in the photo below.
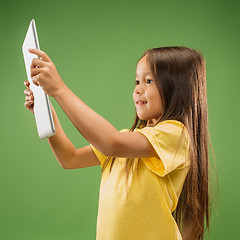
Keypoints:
(133, 97)
(155, 100)
(153, 96)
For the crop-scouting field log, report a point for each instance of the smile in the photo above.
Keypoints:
(141, 103)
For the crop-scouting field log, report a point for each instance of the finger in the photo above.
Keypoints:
(36, 62)
(40, 53)
(28, 92)
(35, 80)
(27, 83)
(29, 98)
(35, 71)
(28, 104)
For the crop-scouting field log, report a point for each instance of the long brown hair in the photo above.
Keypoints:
(180, 75)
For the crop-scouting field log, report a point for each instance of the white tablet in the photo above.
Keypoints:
(42, 108)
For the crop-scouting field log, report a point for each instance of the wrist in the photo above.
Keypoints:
(59, 92)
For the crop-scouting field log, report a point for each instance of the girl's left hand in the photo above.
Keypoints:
(44, 73)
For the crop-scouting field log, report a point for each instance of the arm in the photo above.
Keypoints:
(94, 128)
(99, 132)
(67, 155)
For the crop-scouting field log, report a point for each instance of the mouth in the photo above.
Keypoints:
(140, 103)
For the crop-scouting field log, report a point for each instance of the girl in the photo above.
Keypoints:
(154, 182)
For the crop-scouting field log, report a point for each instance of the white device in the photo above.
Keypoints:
(42, 108)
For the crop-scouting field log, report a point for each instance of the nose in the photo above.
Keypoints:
(139, 89)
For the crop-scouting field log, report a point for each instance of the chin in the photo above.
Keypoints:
(143, 118)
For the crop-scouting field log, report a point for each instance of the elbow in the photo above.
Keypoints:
(68, 162)
(64, 166)
(67, 167)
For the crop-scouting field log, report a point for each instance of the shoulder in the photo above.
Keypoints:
(168, 134)
(169, 139)
(170, 127)
(170, 123)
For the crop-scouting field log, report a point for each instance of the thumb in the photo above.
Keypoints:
(34, 82)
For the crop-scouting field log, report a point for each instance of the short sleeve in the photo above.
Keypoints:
(171, 148)
(101, 157)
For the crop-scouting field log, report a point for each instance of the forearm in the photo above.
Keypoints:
(94, 128)
(61, 146)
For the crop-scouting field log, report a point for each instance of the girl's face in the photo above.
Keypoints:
(146, 97)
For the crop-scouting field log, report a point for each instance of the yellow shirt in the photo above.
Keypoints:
(146, 213)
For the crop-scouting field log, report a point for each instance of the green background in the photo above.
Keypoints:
(95, 46)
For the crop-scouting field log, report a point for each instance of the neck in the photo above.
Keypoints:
(152, 122)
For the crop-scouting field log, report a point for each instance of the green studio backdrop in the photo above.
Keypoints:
(95, 46)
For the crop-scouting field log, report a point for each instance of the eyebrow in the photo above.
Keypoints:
(147, 73)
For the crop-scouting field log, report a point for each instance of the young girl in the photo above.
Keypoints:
(154, 182)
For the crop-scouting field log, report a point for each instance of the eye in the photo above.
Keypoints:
(137, 82)
(149, 81)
